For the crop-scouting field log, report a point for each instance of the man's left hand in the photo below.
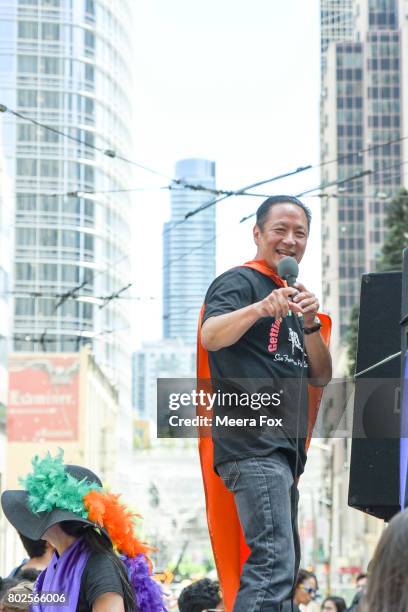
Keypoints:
(308, 302)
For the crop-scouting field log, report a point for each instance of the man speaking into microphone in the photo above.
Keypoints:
(255, 327)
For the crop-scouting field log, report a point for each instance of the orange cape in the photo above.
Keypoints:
(227, 540)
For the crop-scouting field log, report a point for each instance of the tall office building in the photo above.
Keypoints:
(188, 251)
(336, 24)
(361, 108)
(66, 64)
(164, 359)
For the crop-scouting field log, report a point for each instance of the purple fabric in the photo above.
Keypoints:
(148, 593)
(63, 575)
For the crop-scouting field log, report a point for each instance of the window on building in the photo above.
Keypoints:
(27, 29)
(26, 236)
(70, 239)
(70, 309)
(89, 174)
(49, 204)
(89, 73)
(50, 65)
(90, 7)
(87, 310)
(25, 271)
(45, 307)
(24, 306)
(26, 201)
(25, 131)
(48, 237)
(28, 98)
(89, 208)
(89, 107)
(48, 272)
(89, 41)
(49, 168)
(50, 99)
(27, 63)
(70, 273)
(88, 242)
(26, 167)
(50, 31)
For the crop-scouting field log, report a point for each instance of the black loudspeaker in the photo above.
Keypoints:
(374, 484)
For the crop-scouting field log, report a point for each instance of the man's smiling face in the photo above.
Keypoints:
(284, 232)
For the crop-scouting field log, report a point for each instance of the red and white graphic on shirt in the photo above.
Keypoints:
(273, 335)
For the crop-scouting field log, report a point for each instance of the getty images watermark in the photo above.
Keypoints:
(371, 409)
(230, 407)
(223, 400)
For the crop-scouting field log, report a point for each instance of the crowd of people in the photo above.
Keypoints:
(205, 596)
(106, 577)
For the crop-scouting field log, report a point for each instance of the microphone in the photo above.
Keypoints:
(288, 269)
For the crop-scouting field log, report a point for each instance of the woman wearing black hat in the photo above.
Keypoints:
(67, 506)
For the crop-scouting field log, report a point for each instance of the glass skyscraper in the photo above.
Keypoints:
(361, 108)
(67, 64)
(188, 251)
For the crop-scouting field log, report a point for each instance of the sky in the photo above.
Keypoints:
(234, 82)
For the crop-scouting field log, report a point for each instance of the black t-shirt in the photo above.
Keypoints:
(99, 576)
(268, 358)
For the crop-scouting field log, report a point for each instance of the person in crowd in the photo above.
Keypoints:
(39, 555)
(387, 584)
(361, 582)
(313, 606)
(304, 592)
(17, 597)
(361, 585)
(67, 506)
(201, 596)
(5, 585)
(334, 604)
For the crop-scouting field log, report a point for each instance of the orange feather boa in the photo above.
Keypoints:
(106, 510)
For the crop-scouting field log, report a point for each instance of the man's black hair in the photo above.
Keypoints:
(34, 548)
(263, 210)
(199, 596)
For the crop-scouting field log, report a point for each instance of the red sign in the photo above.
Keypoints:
(43, 398)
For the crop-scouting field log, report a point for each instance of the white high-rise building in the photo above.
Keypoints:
(67, 64)
(188, 251)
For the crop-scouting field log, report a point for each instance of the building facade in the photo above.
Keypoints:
(164, 359)
(58, 400)
(361, 110)
(336, 24)
(66, 64)
(362, 133)
(188, 251)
